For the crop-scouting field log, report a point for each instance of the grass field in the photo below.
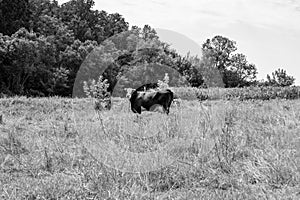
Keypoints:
(55, 148)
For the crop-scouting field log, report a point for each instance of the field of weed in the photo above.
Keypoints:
(248, 93)
(55, 148)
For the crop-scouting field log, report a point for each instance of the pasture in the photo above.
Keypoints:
(52, 148)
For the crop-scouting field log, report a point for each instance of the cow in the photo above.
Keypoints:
(140, 99)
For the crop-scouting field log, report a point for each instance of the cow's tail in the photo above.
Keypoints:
(172, 95)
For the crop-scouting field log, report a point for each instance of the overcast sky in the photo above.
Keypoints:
(266, 31)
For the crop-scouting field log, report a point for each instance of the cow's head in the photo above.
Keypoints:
(129, 92)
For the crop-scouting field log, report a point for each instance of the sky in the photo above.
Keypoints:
(266, 31)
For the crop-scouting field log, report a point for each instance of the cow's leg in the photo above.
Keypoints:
(133, 110)
(166, 109)
(136, 108)
(168, 106)
(139, 109)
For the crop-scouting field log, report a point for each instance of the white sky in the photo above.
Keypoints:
(266, 31)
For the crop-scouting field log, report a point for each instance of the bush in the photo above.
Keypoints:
(99, 91)
(249, 93)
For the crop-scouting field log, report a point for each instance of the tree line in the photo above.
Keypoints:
(43, 44)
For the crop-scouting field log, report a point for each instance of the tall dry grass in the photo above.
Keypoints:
(50, 149)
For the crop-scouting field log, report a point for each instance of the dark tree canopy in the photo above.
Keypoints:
(14, 14)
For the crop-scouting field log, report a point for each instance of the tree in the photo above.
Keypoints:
(40, 12)
(219, 49)
(78, 15)
(190, 67)
(43, 58)
(234, 68)
(14, 14)
(149, 33)
(19, 57)
(26, 63)
(88, 24)
(280, 79)
(72, 58)
(240, 73)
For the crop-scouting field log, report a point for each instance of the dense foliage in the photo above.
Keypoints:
(247, 93)
(234, 67)
(280, 79)
(44, 44)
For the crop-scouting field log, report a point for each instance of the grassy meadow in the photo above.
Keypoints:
(56, 148)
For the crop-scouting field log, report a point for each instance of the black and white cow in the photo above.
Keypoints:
(149, 100)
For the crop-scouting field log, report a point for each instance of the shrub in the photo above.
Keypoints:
(165, 83)
(249, 93)
(99, 91)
